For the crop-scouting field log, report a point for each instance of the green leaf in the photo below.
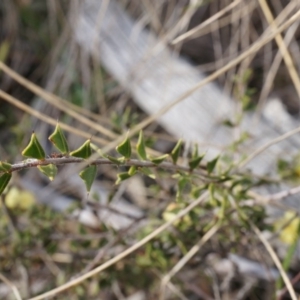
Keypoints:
(132, 170)
(195, 151)
(125, 148)
(4, 180)
(140, 147)
(194, 162)
(49, 170)
(84, 151)
(34, 148)
(158, 160)
(147, 172)
(4, 50)
(5, 167)
(211, 164)
(176, 151)
(59, 140)
(88, 175)
(122, 176)
(182, 184)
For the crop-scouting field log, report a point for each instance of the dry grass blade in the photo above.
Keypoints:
(193, 32)
(12, 286)
(65, 106)
(274, 68)
(253, 49)
(282, 46)
(267, 145)
(122, 255)
(47, 119)
(276, 261)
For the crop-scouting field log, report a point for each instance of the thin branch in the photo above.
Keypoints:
(273, 197)
(33, 163)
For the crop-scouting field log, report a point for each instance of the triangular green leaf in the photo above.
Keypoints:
(122, 176)
(88, 175)
(59, 140)
(140, 147)
(194, 162)
(49, 170)
(158, 160)
(176, 151)
(84, 151)
(125, 148)
(195, 151)
(4, 180)
(34, 148)
(211, 164)
(4, 167)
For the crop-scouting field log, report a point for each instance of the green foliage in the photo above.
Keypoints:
(226, 194)
(34, 149)
(122, 176)
(125, 148)
(158, 160)
(59, 140)
(88, 176)
(4, 180)
(83, 151)
(176, 151)
(49, 170)
(211, 164)
(5, 167)
(140, 147)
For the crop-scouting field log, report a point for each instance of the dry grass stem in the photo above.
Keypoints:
(11, 286)
(276, 260)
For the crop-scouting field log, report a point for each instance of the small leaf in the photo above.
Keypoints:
(88, 175)
(4, 50)
(147, 172)
(132, 170)
(158, 160)
(140, 147)
(194, 162)
(34, 148)
(59, 140)
(49, 170)
(125, 148)
(182, 183)
(5, 167)
(4, 180)
(84, 151)
(195, 151)
(122, 176)
(176, 151)
(211, 164)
